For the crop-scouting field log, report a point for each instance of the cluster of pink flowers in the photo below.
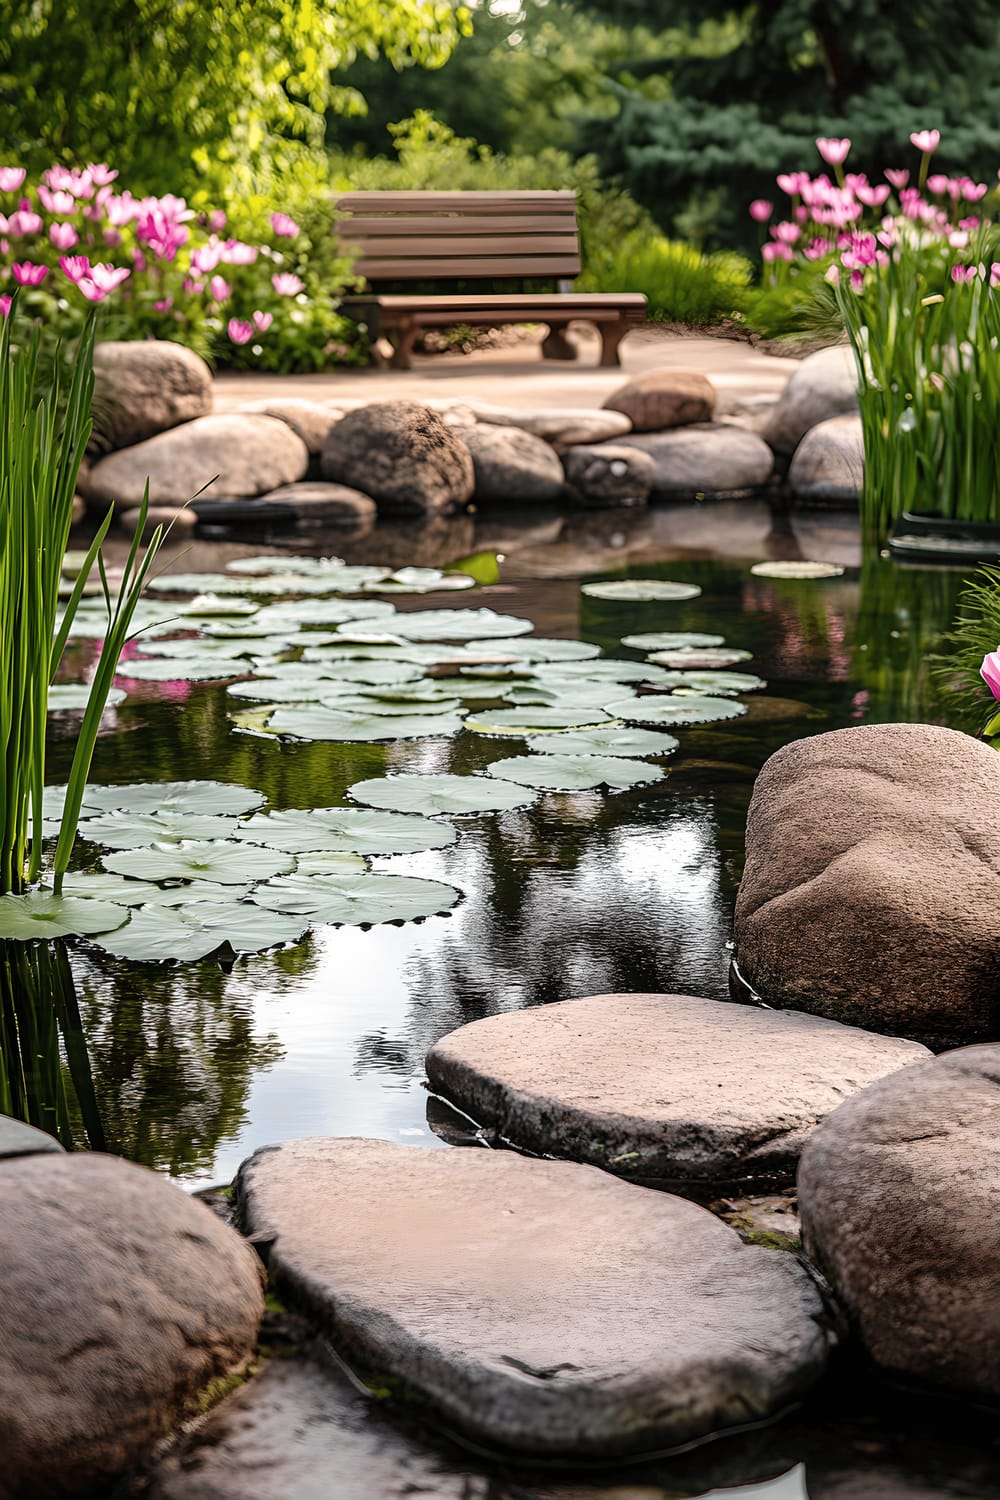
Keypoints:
(74, 235)
(856, 224)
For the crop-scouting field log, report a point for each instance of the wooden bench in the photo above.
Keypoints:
(461, 238)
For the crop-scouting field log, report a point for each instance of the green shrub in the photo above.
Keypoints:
(680, 283)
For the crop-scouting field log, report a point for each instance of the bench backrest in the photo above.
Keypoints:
(423, 236)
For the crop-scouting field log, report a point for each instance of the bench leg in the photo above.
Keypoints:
(403, 341)
(556, 345)
(611, 337)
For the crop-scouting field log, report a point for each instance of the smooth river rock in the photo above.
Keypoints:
(828, 467)
(513, 465)
(121, 1298)
(898, 1191)
(658, 399)
(665, 1088)
(562, 426)
(824, 385)
(609, 475)
(405, 456)
(872, 880)
(713, 459)
(228, 456)
(309, 419)
(18, 1139)
(315, 502)
(145, 386)
(540, 1306)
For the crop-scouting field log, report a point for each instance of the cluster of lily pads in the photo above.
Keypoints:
(308, 653)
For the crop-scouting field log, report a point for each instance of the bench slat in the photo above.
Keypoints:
(495, 245)
(454, 202)
(361, 226)
(446, 268)
(482, 302)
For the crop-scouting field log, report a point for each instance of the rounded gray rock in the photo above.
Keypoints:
(146, 386)
(19, 1139)
(710, 460)
(898, 1192)
(405, 456)
(872, 880)
(609, 475)
(824, 385)
(540, 1306)
(828, 466)
(658, 399)
(314, 502)
(121, 1298)
(665, 1088)
(310, 420)
(562, 426)
(511, 464)
(233, 455)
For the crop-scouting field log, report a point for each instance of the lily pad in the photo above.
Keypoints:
(605, 670)
(166, 669)
(374, 673)
(69, 697)
(230, 862)
(170, 797)
(280, 689)
(675, 710)
(319, 723)
(358, 899)
(217, 604)
(191, 892)
(40, 914)
(724, 683)
(616, 739)
(193, 583)
(457, 625)
(324, 862)
(788, 569)
(437, 794)
(640, 590)
(347, 830)
(544, 648)
(384, 706)
(575, 773)
(528, 720)
(323, 612)
(199, 648)
(420, 581)
(128, 830)
(278, 562)
(98, 885)
(705, 659)
(154, 934)
(470, 689)
(670, 640)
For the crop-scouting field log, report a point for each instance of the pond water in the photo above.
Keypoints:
(194, 1067)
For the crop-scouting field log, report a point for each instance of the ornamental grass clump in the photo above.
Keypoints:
(914, 273)
(43, 436)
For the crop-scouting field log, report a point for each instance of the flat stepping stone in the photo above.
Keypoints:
(669, 1089)
(538, 1306)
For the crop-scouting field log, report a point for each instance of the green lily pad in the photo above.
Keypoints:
(723, 683)
(706, 659)
(676, 710)
(528, 720)
(456, 625)
(320, 613)
(616, 739)
(347, 830)
(128, 830)
(373, 673)
(470, 689)
(605, 670)
(170, 797)
(670, 640)
(640, 590)
(193, 583)
(325, 862)
(437, 794)
(420, 581)
(199, 648)
(154, 934)
(568, 694)
(191, 892)
(796, 570)
(575, 773)
(68, 697)
(278, 562)
(543, 648)
(40, 914)
(319, 723)
(230, 862)
(358, 899)
(98, 885)
(166, 669)
(217, 604)
(385, 706)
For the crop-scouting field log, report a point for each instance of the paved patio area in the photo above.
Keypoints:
(518, 377)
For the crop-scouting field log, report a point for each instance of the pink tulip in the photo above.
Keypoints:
(164, 305)
(958, 239)
(969, 224)
(286, 284)
(76, 267)
(123, 210)
(284, 226)
(10, 180)
(26, 273)
(138, 261)
(832, 150)
(793, 183)
(995, 273)
(786, 232)
(219, 289)
(761, 210)
(91, 290)
(23, 221)
(873, 197)
(235, 253)
(899, 177)
(63, 236)
(990, 672)
(973, 191)
(262, 321)
(962, 274)
(926, 140)
(192, 287)
(101, 174)
(56, 203)
(217, 220)
(107, 278)
(112, 238)
(776, 250)
(5, 303)
(817, 249)
(239, 332)
(205, 258)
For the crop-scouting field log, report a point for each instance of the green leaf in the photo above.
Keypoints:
(707, 659)
(278, 562)
(796, 570)
(723, 683)
(232, 862)
(358, 899)
(127, 830)
(385, 706)
(172, 797)
(670, 640)
(575, 773)
(432, 795)
(154, 933)
(527, 720)
(348, 830)
(327, 724)
(606, 670)
(97, 885)
(67, 697)
(640, 590)
(543, 648)
(451, 625)
(616, 739)
(166, 669)
(675, 710)
(482, 567)
(40, 914)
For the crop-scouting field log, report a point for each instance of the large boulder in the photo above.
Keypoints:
(609, 475)
(898, 1191)
(664, 398)
(513, 465)
(121, 1298)
(824, 385)
(310, 420)
(540, 1306)
(665, 1088)
(18, 1139)
(145, 386)
(225, 457)
(406, 457)
(711, 460)
(872, 880)
(828, 466)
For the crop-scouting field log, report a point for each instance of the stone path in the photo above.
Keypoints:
(542, 1307)
(661, 1087)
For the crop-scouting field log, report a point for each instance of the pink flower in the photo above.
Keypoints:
(786, 232)
(162, 230)
(284, 227)
(776, 250)
(5, 303)
(217, 220)
(262, 321)
(958, 239)
(832, 275)
(107, 278)
(235, 253)
(63, 236)
(23, 221)
(899, 177)
(192, 287)
(761, 210)
(286, 284)
(832, 150)
(926, 140)
(219, 289)
(973, 191)
(990, 672)
(873, 197)
(56, 203)
(857, 281)
(122, 210)
(793, 183)
(817, 249)
(26, 273)
(112, 238)
(76, 267)
(995, 273)
(91, 290)
(164, 305)
(10, 180)
(962, 274)
(101, 174)
(239, 333)
(205, 258)
(138, 261)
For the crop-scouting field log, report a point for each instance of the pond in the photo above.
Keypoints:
(196, 1065)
